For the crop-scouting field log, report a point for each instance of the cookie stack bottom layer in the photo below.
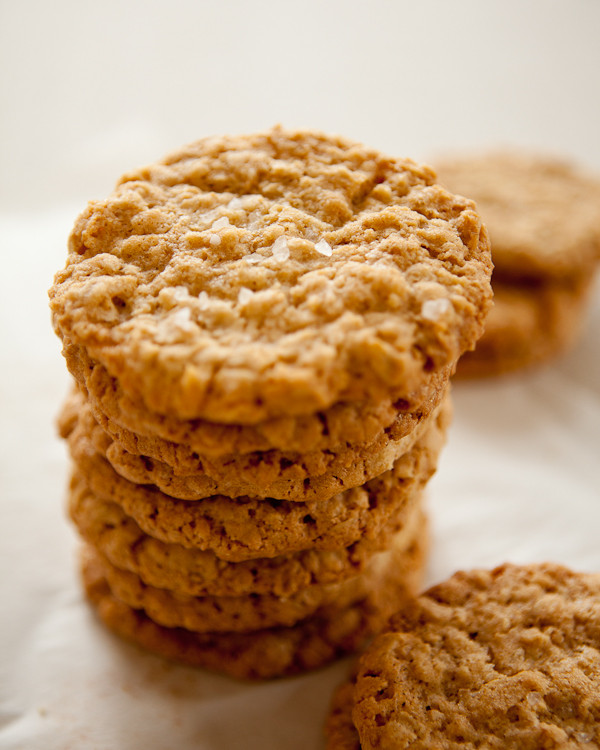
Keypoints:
(270, 652)
(253, 587)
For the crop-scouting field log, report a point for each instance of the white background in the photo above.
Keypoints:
(89, 90)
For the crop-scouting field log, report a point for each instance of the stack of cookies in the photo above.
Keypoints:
(543, 217)
(262, 331)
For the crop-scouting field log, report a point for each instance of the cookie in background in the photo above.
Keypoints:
(543, 218)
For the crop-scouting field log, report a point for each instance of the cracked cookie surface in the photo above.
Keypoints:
(251, 277)
(497, 659)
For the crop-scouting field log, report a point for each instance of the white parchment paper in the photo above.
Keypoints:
(518, 480)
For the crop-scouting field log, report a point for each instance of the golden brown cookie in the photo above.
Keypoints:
(252, 277)
(180, 442)
(244, 528)
(105, 526)
(313, 476)
(542, 213)
(340, 731)
(498, 659)
(543, 217)
(250, 611)
(271, 652)
(528, 325)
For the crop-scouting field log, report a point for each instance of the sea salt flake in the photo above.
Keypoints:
(215, 240)
(434, 309)
(182, 317)
(245, 295)
(221, 223)
(280, 249)
(180, 293)
(234, 204)
(324, 248)
(203, 300)
(253, 258)
(175, 324)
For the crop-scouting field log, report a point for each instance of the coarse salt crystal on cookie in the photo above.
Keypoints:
(221, 223)
(280, 249)
(324, 248)
(245, 295)
(434, 309)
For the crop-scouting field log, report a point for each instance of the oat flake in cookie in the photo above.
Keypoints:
(508, 658)
(251, 277)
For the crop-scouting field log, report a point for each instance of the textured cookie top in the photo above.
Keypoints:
(501, 659)
(543, 215)
(249, 277)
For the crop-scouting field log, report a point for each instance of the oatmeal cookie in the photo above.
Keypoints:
(528, 325)
(313, 476)
(542, 213)
(498, 659)
(180, 442)
(543, 217)
(105, 526)
(203, 614)
(251, 277)
(245, 528)
(271, 652)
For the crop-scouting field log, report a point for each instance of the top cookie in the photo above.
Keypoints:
(543, 215)
(245, 278)
(508, 658)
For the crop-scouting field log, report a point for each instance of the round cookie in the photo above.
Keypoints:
(543, 215)
(252, 277)
(248, 612)
(497, 659)
(272, 652)
(527, 325)
(244, 528)
(105, 526)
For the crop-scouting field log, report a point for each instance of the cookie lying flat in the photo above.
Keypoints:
(543, 217)
(251, 277)
(273, 652)
(195, 572)
(248, 612)
(244, 528)
(497, 659)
